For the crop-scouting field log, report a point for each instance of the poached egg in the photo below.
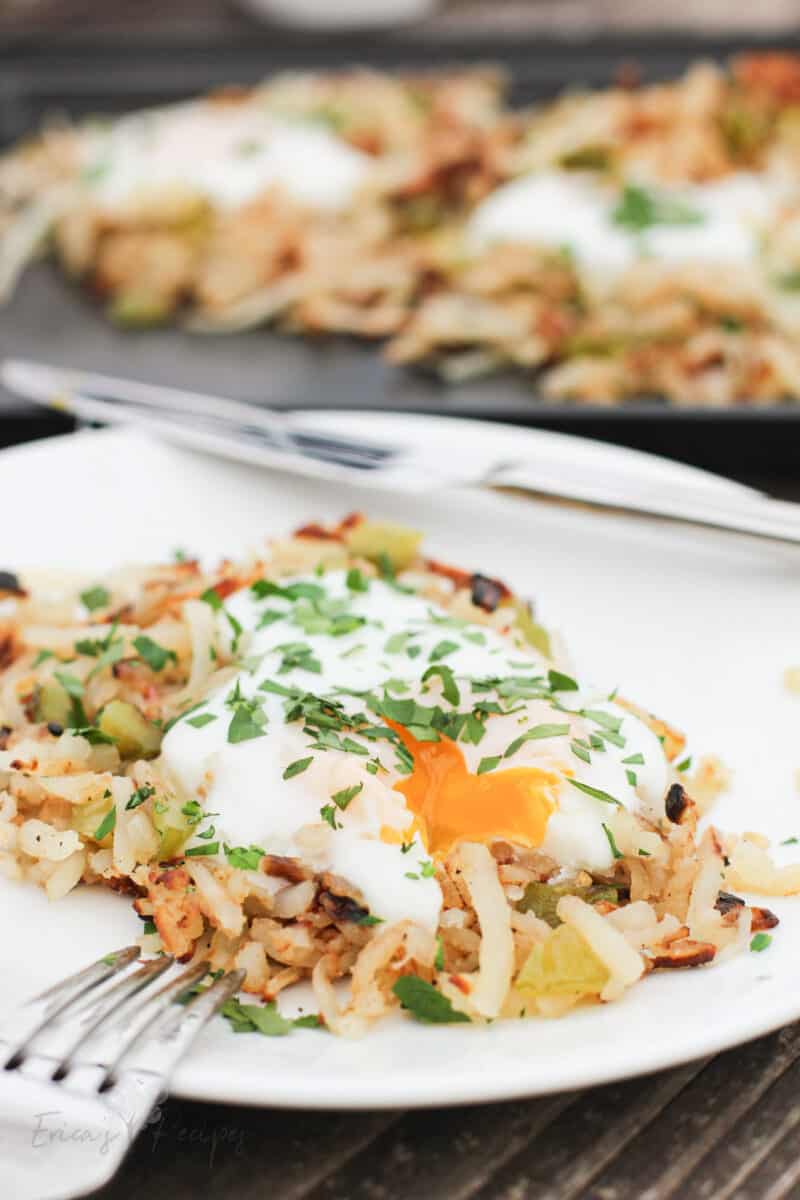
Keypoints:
(368, 731)
(228, 152)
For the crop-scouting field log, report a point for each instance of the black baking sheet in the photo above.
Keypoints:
(50, 320)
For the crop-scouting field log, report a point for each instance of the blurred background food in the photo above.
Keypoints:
(71, 59)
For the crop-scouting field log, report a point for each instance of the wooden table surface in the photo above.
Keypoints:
(726, 1127)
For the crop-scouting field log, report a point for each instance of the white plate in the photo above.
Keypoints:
(697, 626)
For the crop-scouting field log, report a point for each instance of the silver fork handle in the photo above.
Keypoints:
(759, 516)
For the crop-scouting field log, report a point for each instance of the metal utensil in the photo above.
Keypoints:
(252, 434)
(83, 1065)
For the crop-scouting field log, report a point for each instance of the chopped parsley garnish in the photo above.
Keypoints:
(70, 683)
(616, 852)
(368, 919)
(580, 750)
(269, 617)
(760, 942)
(685, 764)
(293, 591)
(449, 686)
(427, 869)
(442, 649)
(488, 764)
(425, 1003)
(595, 793)
(193, 812)
(438, 961)
(105, 827)
(139, 796)
(791, 841)
(398, 642)
(244, 858)
(631, 777)
(255, 1018)
(202, 719)
(561, 683)
(475, 636)
(154, 655)
(328, 813)
(342, 798)
(357, 581)
(609, 724)
(297, 767)
(202, 851)
(248, 720)
(42, 656)
(640, 209)
(297, 656)
(94, 598)
(634, 760)
(535, 734)
(149, 927)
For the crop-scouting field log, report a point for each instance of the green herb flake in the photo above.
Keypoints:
(536, 734)
(488, 764)
(152, 653)
(105, 827)
(328, 814)
(425, 1003)
(202, 851)
(342, 799)
(201, 720)
(70, 683)
(243, 858)
(41, 657)
(640, 209)
(255, 1018)
(595, 793)
(612, 843)
(139, 796)
(438, 961)
(357, 581)
(297, 767)
(581, 751)
(685, 764)
(634, 760)
(94, 598)
(760, 942)
(561, 683)
(368, 919)
(442, 650)
(450, 689)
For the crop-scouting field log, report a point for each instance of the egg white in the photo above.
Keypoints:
(246, 786)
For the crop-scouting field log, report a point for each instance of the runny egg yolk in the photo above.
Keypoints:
(450, 804)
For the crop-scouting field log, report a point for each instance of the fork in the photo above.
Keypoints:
(83, 1065)
(264, 437)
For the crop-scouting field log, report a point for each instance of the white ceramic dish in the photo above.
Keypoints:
(697, 626)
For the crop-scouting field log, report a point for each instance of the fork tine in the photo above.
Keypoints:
(157, 1049)
(114, 1032)
(84, 1020)
(27, 1020)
